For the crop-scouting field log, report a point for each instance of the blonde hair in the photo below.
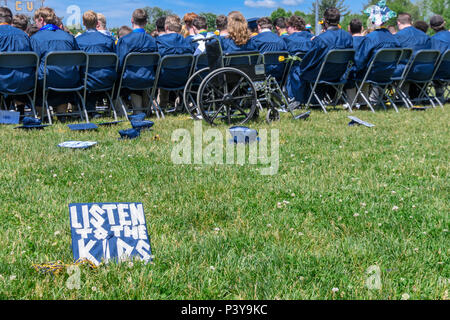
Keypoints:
(173, 23)
(90, 19)
(238, 28)
(102, 19)
(46, 13)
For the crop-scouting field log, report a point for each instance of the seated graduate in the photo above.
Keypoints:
(222, 26)
(138, 41)
(101, 26)
(379, 38)
(331, 38)
(266, 40)
(239, 35)
(357, 31)
(200, 29)
(51, 38)
(253, 26)
(298, 41)
(440, 41)
(421, 25)
(188, 20)
(14, 40)
(123, 31)
(160, 25)
(281, 26)
(92, 41)
(20, 21)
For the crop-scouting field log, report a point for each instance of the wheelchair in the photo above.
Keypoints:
(233, 88)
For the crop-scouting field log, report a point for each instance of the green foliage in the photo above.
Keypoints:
(325, 4)
(210, 19)
(154, 13)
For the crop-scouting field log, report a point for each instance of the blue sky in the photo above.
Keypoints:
(118, 12)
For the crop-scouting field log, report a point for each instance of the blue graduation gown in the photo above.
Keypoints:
(270, 42)
(46, 41)
(441, 41)
(93, 41)
(415, 39)
(140, 42)
(333, 38)
(18, 80)
(295, 43)
(366, 50)
(173, 44)
(229, 46)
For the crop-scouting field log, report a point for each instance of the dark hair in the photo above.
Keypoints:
(140, 17)
(31, 29)
(160, 24)
(200, 23)
(265, 23)
(280, 23)
(20, 21)
(404, 18)
(296, 22)
(124, 30)
(5, 15)
(437, 23)
(421, 25)
(221, 22)
(332, 16)
(355, 26)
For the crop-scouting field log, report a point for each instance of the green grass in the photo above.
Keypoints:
(342, 184)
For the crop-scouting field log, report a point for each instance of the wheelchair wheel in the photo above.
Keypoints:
(190, 93)
(272, 115)
(228, 95)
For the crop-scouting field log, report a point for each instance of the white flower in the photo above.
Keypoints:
(57, 233)
(212, 268)
(356, 215)
(12, 278)
(335, 290)
(55, 175)
(94, 288)
(405, 296)
(395, 208)
(217, 229)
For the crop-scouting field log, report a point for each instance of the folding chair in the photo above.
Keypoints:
(170, 65)
(340, 61)
(406, 59)
(379, 75)
(420, 73)
(442, 76)
(21, 60)
(78, 59)
(104, 61)
(144, 64)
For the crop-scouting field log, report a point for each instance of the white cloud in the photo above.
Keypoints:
(292, 2)
(261, 3)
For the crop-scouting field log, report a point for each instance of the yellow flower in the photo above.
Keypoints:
(281, 58)
(217, 33)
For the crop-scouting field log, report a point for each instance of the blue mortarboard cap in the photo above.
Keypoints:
(77, 144)
(142, 125)
(30, 123)
(137, 117)
(106, 124)
(357, 121)
(83, 126)
(129, 134)
(253, 23)
(243, 134)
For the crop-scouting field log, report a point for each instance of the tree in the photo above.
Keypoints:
(325, 4)
(210, 20)
(154, 13)
(280, 13)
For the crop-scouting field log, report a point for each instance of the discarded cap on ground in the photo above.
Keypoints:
(82, 126)
(243, 134)
(77, 144)
(142, 125)
(137, 117)
(129, 134)
(357, 121)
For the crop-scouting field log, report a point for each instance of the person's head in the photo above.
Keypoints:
(295, 24)
(222, 23)
(154, 34)
(173, 24)
(6, 15)
(355, 27)
(437, 23)
(101, 21)
(280, 24)
(199, 24)
(161, 25)
(59, 23)
(189, 20)
(404, 20)
(392, 29)
(331, 17)
(20, 21)
(124, 30)
(264, 23)
(90, 20)
(139, 18)
(44, 16)
(421, 25)
(238, 28)
(31, 29)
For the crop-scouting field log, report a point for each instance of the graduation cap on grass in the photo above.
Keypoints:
(83, 126)
(129, 134)
(142, 125)
(137, 117)
(77, 144)
(241, 134)
(29, 123)
(109, 124)
(356, 121)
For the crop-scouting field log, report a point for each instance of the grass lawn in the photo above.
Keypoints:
(344, 199)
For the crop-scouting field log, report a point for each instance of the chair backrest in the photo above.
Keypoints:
(383, 65)
(20, 60)
(137, 59)
(102, 72)
(442, 71)
(201, 61)
(423, 66)
(336, 64)
(70, 64)
(103, 60)
(274, 66)
(174, 71)
(139, 70)
(66, 59)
